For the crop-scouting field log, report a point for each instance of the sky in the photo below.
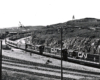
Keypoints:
(45, 12)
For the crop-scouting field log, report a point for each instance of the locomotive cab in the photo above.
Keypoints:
(65, 54)
(41, 49)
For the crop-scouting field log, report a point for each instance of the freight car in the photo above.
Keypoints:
(84, 58)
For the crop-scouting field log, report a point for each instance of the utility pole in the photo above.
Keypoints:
(1, 55)
(1, 47)
(61, 57)
(61, 32)
(99, 58)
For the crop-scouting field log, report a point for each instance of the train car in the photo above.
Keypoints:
(35, 48)
(53, 52)
(84, 58)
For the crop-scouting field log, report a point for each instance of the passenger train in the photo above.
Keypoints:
(67, 55)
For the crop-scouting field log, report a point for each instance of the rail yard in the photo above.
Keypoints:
(64, 51)
(21, 61)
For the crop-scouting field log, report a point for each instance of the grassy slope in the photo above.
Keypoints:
(69, 30)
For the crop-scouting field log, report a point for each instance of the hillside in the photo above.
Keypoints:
(87, 27)
(84, 31)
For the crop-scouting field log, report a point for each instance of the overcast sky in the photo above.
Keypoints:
(45, 12)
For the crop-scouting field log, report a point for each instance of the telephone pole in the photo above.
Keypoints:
(1, 55)
(0, 47)
(99, 58)
(61, 56)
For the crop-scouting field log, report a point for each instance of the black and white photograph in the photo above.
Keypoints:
(50, 39)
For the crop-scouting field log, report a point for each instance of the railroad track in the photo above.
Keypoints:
(22, 65)
(36, 70)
